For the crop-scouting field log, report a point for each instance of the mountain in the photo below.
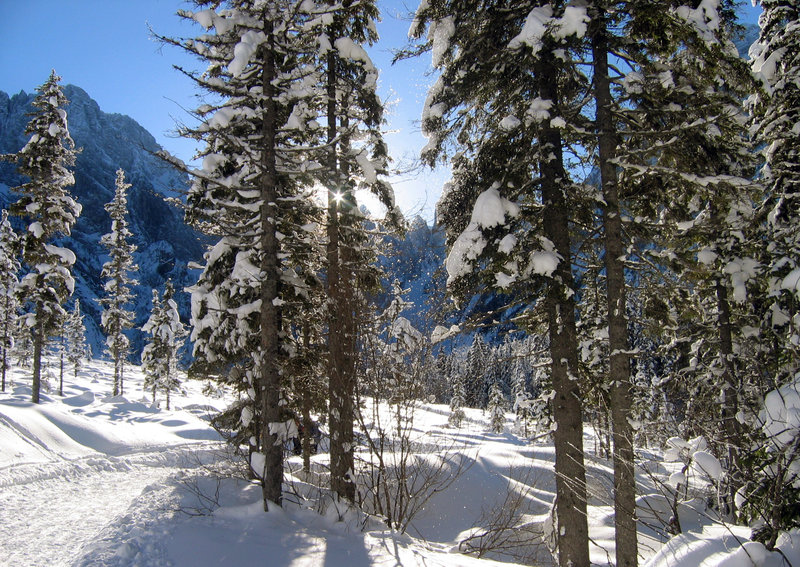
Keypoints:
(109, 142)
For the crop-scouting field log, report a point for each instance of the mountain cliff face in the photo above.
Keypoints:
(109, 142)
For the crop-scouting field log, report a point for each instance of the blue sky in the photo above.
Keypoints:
(105, 47)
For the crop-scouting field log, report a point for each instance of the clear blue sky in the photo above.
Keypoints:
(105, 47)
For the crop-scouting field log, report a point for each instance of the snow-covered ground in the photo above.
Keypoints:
(94, 480)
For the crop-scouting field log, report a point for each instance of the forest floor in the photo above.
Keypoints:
(93, 480)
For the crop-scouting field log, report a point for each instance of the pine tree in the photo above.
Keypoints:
(506, 100)
(355, 153)
(496, 408)
(775, 108)
(160, 354)
(253, 192)
(9, 304)
(117, 271)
(50, 212)
(75, 334)
(457, 400)
(476, 370)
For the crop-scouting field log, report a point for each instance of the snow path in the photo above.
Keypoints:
(48, 519)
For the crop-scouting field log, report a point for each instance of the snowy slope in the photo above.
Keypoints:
(93, 480)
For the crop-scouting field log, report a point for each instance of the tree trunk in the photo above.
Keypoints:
(272, 476)
(38, 343)
(6, 338)
(115, 355)
(572, 532)
(61, 375)
(619, 363)
(340, 367)
(730, 402)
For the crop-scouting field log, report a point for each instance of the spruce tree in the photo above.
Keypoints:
(9, 303)
(775, 60)
(667, 134)
(476, 370)
(50, 212)
(355, 154)
(75, 334)
(116, 318)
(505, 100)
(253, 193)
(771, 486)
(496, 408)
(160, 354)
(457, 401)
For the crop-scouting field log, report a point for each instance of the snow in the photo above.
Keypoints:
(781, 414)
(706, 464)
(533, 29)
(538, 111)
(726, 546)
(348, 49)
(205, 18)
(442, 32)
(544, 262)
(67, 256)
(115, 471)
(792, 281)
(244, 50)
(706, 256)
(741, 270)
(574, 22)
(540, 21)
(510, 123)
(507, 244)
(705, 18)
(441, 333)
(491, 209)
(36, 229)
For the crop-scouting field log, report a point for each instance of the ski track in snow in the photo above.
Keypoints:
(54, 514)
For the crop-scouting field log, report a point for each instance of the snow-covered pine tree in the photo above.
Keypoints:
(50, 212)
(9, 303)
(355, 154)
(520, 371)
(775, 60)
(496, 408)
(477, 368)
(253, 192)
(75, 334)
(116, 318)
(667, 122)
(458, 400)
(160, 354)
(504, 100)
(771, 489)
(687, 168)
